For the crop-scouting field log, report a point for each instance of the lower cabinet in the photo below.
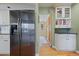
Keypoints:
(4, 44)
(65, 42)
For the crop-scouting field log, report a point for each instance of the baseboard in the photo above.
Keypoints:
(77, 51)
(4, 54)
(53, 46)
(36, 54)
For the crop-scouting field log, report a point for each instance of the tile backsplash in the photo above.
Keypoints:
(4, 29)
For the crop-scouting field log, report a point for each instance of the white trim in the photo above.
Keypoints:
(6, 52)
(37, 54)
(54, 46)
(63, 12)
(77, 51)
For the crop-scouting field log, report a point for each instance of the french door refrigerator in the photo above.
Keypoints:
(22, 39)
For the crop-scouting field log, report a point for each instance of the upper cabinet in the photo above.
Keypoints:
(63, 17)
(4, 17)
(63, 12)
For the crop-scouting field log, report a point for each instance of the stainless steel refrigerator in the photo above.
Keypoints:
(22, 33)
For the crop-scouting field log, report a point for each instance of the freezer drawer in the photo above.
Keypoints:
(65, 42)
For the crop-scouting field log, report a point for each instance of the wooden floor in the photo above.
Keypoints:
(47, 51)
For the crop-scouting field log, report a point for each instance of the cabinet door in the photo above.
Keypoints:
(65, 42)
(67, 13)
(4, 17)
(4, 44)
(71, 42)
(59, 13)
(63, 12)
(60, 40)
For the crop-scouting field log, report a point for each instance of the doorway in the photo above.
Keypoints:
(45, 33)
(22, 33)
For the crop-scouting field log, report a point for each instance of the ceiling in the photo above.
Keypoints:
(54, 4)
(17, 6)
(26, 5)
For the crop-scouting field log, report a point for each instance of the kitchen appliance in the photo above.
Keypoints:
(22, 38)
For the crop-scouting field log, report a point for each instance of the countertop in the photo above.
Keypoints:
(65, 33)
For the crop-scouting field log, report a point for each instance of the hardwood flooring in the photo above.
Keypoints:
(48, 51)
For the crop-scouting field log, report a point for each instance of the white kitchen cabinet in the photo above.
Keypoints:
(4, 44)
(63, 17)
(63, 23)
(4, 17)
(65, 42)
(63, 12)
